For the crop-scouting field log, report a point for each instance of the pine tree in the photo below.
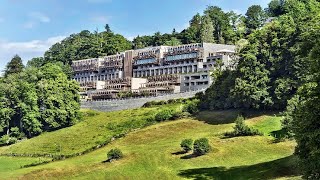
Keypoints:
(206, 32)
(14, 66)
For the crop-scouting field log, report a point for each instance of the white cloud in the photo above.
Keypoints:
(40, 17)
(26, 50)
(29, 25)
(101, 19)
(35, 18)
(99, 1)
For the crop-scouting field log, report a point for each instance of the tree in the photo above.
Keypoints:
(107, 28)
(223, 32)
(241, 129)
(14, 66)
(275, 8)
(186, 144)
(173, 42)
(206, 32)
(305, 107)
(86, 45)
(238, 27)
(58, 98)
(201, 146)
(37, 100)
(192, 33)
(114, 154)
(255, 17)
(36, 62)
(251, 85)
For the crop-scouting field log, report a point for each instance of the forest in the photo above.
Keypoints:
(278, 69)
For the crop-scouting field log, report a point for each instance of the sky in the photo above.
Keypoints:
(29, 27)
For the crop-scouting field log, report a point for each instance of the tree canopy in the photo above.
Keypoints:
(14, 66)
(38, 99)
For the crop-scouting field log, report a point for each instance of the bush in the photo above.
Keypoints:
(7, 140)
(201, 146)
(114, 154)
(241, 129)
(164, 114)
(191, 106)
(186, 145)
(15, 133)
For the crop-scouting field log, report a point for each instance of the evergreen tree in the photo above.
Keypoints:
(206, 32)
(255, 17)
(14, 66)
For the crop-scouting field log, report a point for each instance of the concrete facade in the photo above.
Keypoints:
(152, 70)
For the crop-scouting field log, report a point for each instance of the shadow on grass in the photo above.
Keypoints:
(215, 117)
(285, 167)
(279, 135)
(179, 153)
(189, 156)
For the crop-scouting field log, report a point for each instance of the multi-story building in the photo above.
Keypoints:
(152, 70)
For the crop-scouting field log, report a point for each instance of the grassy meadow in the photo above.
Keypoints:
(153, 152)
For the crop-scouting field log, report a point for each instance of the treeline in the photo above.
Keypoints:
(214, 25)
(278, 69)
(35, 99)
(272, 63)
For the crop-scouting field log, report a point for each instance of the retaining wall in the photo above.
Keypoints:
(115, 105)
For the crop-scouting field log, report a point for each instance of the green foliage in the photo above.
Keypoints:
(276, 8)
(15, 132)
(206, 33)
(7, 140)
(191, 106)
(173, 42)
(86, 45)
(36, 62)
(14, 66)
(164, 114)
(37, 100)
(218, 95)
(255, 17)
(241, 129)
(186, 144)
(114, 154)
(223, 32)
(303, 112)
(201, 146)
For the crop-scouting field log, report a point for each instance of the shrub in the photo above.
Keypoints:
(201, 146)
(15, 133)
(163, 115)
(114, 154)
(191, 106)
(186, 144)
(241, 129)
(7, 140)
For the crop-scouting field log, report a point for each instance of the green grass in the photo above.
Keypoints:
(8, 165)
(154, 153)
(96, 129)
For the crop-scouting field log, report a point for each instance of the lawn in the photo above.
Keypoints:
(154, 153)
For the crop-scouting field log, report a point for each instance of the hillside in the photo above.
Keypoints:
(153, 152)
(96, 129)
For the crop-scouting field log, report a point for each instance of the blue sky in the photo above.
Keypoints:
(30, 27)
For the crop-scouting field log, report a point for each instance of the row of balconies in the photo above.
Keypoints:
(163, 78)
(145, 56)
(119, 81)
